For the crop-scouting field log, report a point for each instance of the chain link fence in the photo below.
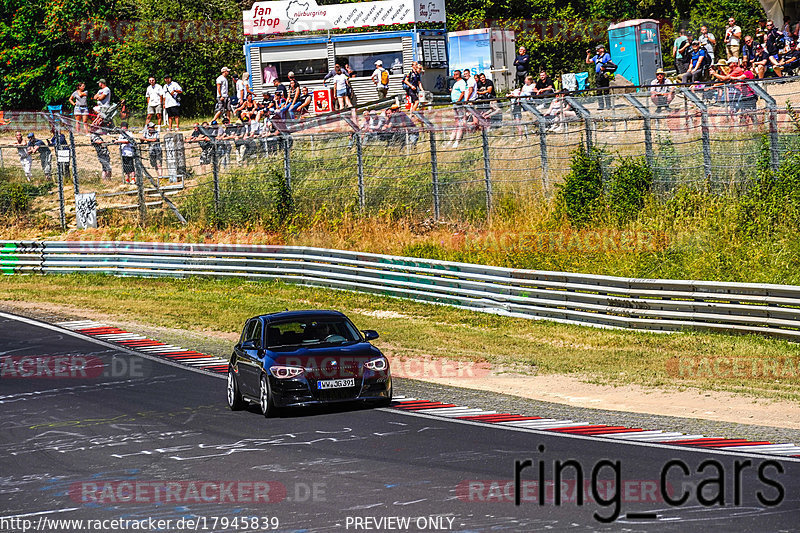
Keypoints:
(448, 162)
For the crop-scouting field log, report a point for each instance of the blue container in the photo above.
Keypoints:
(635, 46)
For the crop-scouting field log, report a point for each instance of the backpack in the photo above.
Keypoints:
(384, 77)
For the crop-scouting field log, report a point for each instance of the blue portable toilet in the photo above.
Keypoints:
(635, 46)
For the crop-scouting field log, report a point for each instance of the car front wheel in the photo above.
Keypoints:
(265, 399)
(235, 402)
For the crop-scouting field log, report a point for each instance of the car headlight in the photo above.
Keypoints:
(378, 364)
(285, 372)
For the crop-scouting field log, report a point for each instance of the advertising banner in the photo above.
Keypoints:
(288, 16)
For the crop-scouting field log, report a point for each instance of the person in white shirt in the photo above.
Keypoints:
(172, 102)
(458, 96)
(25, 158)
(103, 96)
(223, 103)
(708, 41)
(380, 80)
(154, 98)
(472, 86)
(341, 82)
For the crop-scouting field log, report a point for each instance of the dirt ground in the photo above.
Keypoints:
(570, 390)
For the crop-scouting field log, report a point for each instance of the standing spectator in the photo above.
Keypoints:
(457, 97)
(128, 155)
(521, 62)
(248, 89)
(472, 86)
(241, 89)
(733, 37)
(601, 78)
(662, 91)
(154, 98)
(772, 39)
(45, 156)
(280, 90)
(695, 71)
(681, 51)
(103, 97)
(25, 158)
(708, 41)
(341, 82)
(412, 83)
(544, 85)
(787, 29)
(223, 104)
(172, 102)
(79, 99)
(234, 94)
(103, 156)
(380, 79)
(151, 138)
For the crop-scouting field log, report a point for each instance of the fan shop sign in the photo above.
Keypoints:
(289, 16)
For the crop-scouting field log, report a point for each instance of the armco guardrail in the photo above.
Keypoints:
(601, 301)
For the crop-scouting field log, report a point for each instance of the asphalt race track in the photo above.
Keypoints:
(93, 433)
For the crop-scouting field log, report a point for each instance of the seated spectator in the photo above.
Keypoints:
(398, 128)
(303, 105)
(777, 61)
(559, 113)
(760, 61)
(748, 51)
(695, 71)
(544, 85)
(371, 125)
(246, 107)
(791, 60)
(662, 91)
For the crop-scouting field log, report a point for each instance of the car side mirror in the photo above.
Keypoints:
(370, 334)
(251, 345)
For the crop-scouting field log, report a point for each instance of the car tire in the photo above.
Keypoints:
(265, 398)
(234, 396)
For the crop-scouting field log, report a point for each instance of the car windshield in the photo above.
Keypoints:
(314, 331)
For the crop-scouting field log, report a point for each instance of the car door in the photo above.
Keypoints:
(252, 356)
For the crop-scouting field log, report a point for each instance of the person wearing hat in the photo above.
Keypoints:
(662, 91)
(380, 77)
(791, 59)
(695, 71)
(720, 71)
(760, 61)
(103, 96)
(601, 78)
(127, 154)
(151, 139)
(223, 103)
(172, 103)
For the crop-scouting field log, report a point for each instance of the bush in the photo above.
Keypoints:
(579, 198)
(628, 188)
(15, 197)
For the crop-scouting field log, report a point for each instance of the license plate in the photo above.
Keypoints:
(336, 383)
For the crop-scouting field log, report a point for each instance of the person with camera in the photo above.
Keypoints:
(172, 102)
(600, 59)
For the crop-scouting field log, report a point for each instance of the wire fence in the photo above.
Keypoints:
(453, 162)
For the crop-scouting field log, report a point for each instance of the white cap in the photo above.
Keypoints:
(379, 63)
(290, 75)
(225, 69)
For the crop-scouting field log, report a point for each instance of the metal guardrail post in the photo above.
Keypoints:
(215, 174)
(137, 165)
(74, 160)
(487, 171)
(648, 135)
(774, 148)
(434, 162)
(287, 168)
(588, 123)
(360, 161)
(61, 206)
(689, 94)
(542, 121)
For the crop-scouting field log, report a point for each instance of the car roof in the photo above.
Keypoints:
(301, 315)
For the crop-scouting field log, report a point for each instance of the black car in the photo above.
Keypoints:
(299, 358)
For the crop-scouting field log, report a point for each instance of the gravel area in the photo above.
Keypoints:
(214, 345)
